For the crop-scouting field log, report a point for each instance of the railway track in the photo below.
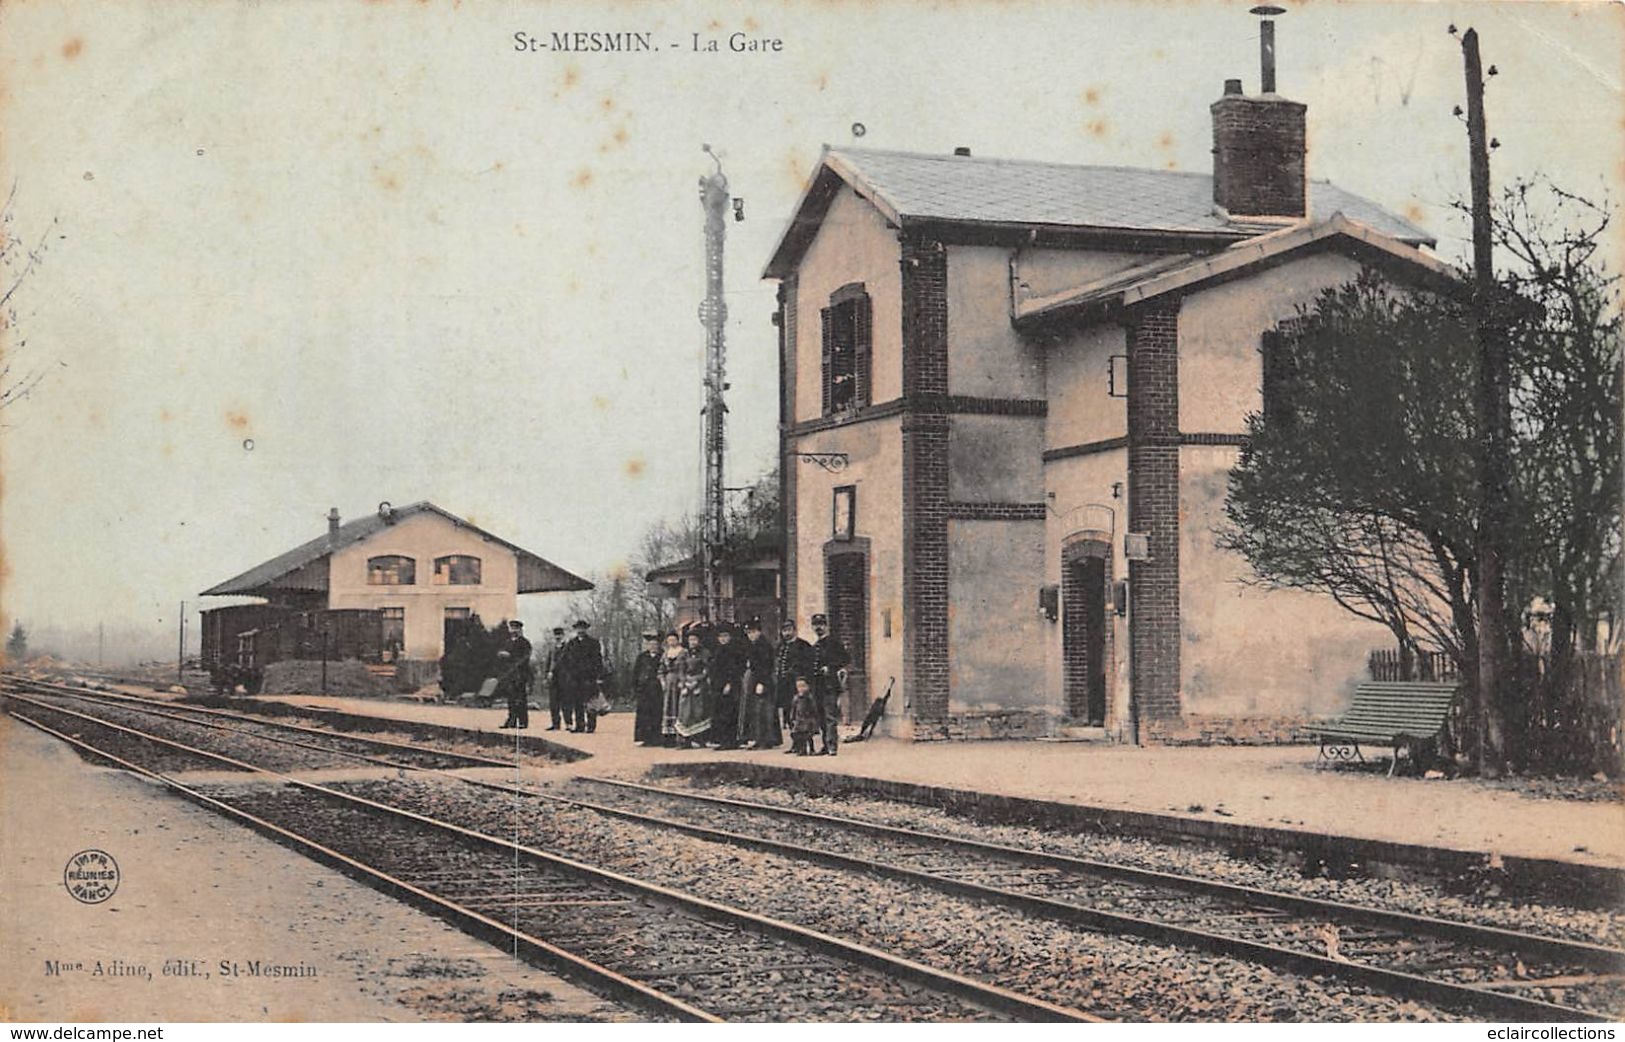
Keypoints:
(296, 746)
(1481, 970)
(676, 955)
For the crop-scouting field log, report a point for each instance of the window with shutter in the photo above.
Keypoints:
(847, 351)
(828, 365)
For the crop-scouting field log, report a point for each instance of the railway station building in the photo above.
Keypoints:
(1035, 377)
(420, 565)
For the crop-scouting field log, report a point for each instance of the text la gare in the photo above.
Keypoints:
(739, 43)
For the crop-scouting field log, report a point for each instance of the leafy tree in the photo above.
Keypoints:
(1359, 477)
(1358, 481)
(17, 644)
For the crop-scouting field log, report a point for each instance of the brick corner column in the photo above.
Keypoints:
(925, 484)
(1153, 510)
(788, 463)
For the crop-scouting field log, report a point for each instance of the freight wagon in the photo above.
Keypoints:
(240, 641)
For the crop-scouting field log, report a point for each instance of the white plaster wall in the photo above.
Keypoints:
(995, 459)
(1246, 651)
(425, 537)
(1083, 500)
(853, 244)
(1080, 409)
(995, 636)
(875, 467)
(1220, 369)
(987, 358)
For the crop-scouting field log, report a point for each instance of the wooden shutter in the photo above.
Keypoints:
(863, 351)
(828, 316)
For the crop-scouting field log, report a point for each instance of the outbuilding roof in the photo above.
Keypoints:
(305, 566)
(1177, 273)
(912, 187)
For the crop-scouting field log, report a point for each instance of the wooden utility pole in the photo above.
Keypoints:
(1495, 443)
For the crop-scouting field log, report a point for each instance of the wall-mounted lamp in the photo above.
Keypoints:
(1117, 378)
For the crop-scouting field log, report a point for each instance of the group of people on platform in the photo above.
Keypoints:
(731, 687)
(572, 674)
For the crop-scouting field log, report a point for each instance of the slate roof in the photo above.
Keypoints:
(764, 548)
(913, 187)
(537, 575)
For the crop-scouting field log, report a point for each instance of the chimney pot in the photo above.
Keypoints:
(333, 521)
(1232, 86)
(962, 150)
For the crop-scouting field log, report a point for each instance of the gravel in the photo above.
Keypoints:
(1595, 926)
(1108, 975)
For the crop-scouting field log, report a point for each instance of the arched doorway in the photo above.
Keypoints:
(1086, 632)
(846, 599)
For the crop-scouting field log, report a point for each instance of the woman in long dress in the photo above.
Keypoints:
(648, 691)
(694, 695)
(672, 660)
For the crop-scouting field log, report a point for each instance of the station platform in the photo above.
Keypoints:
(1211, 789)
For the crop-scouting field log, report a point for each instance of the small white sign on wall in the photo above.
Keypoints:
(1136, 546)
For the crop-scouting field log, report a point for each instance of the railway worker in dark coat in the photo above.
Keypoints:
(581, 671)
(515, 682)
(830, 661)
(647, 690)
(550, 680)
(794, 658)
(758, 715)
(728, 662)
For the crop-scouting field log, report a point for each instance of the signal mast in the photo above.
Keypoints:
(715, 200)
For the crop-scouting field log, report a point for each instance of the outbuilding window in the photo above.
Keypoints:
(848, 350)
(457, 570)
(391, 570)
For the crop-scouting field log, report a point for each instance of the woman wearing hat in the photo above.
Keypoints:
(671, 683)
(694, 695)
(647, 690)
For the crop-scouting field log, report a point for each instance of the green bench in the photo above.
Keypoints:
(1405, 714)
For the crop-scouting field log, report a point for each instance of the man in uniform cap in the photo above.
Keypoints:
(515, 659)
(550, 677)
(794, 658)
(830, 659)
(581, 670)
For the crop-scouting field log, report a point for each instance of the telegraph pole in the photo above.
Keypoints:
(1495, 422)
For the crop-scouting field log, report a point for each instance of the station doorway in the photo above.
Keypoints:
(846, 594)
(1085, 632)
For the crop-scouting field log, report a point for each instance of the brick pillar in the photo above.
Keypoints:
(1153, 509)
(788, 464)
(925, 486)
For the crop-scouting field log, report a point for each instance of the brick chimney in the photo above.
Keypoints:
(333, 522)
(1259, 144)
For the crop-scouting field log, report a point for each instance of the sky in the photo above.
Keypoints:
(315, 254)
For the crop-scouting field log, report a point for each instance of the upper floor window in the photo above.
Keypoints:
(457, 570)
(391, 570)
(847, 349)
(1280, 371)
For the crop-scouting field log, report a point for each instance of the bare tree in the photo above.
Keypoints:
(20, 373)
